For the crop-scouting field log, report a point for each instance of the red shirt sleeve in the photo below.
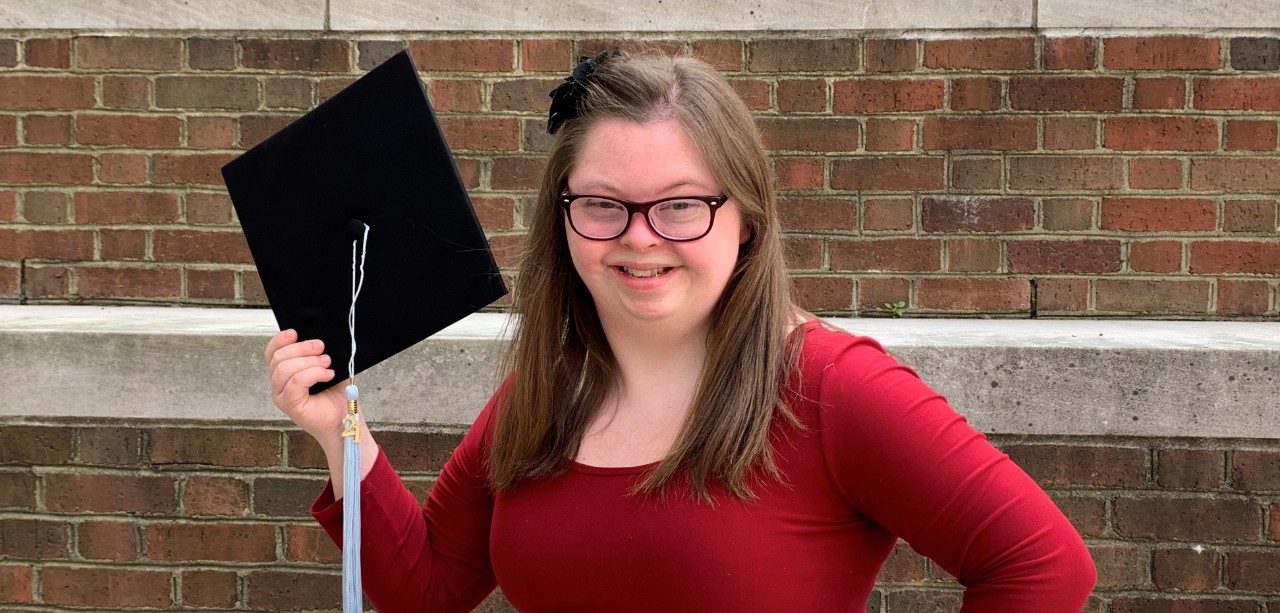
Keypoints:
(433, 557)
(904, 458)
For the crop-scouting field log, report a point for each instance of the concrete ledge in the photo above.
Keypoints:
(163, 15)
(1044, 377)
(1159, 14)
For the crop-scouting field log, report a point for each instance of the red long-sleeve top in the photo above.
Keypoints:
(880, 456)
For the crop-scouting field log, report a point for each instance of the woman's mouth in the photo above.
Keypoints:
(643, 273)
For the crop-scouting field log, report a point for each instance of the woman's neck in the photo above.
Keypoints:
(656, 359)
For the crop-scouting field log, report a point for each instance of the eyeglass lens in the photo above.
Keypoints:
(603, 218)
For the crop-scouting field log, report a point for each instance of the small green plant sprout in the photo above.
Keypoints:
(895, 307)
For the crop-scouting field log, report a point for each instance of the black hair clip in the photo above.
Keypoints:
(566, 99)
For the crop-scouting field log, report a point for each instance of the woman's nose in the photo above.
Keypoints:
(639, 235)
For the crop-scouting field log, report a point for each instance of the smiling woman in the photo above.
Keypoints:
(675, 434)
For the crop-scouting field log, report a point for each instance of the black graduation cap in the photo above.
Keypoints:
(371, 154)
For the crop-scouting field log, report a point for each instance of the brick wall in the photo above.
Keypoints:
(167, 516)
(1016, 175)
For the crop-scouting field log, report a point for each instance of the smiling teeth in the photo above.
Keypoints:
(643, 274)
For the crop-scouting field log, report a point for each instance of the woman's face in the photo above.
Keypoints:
(640, 277)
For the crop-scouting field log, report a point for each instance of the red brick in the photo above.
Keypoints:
(1253, 571)
(753, 92)
(296, 54)
(47, 129)
(256, 128)
(1062, 294)
(107, 540)
(976, 173)
(799, 173)
(976, 94)
(46, 92)
(974, 295)
(1242, 298)
(295, 93)
(17, 490)
(1160, 134)
(1070, 133)
(1052, 172)
(1156, 256)
(211, 53)
(881, 95)
(139, 131)
(189, 169)
(802, 95)
(1235, 174)
(463, 55)
(818, 214)
(1250, 135)
(29, 538)
(48, 281)
(1186, 519)
(1161, 53)
(1155, 173)
(226, 542)
(546, 55)
(823, 293)
(986, 133)
(207, 92)
(888, 214)
(272, 590)
(976, 214)
(211, 132)
(1182, 604)
(1122, 566)
(973, 255)
(8, 53)
(126, 207)
(1087, 514)
(110, 446)
(1064, 256)
(8, 130)
(1255, 471)
(248, 448)
(891, 55)
(16, 583)
(209, 588)
(123, 92)
(874, 292)
(1236, 93)
(1151, 296)
(891, 134)
(469, 169)
(309, 544)
(522, 94)
(47, 53)
(809, 134)
(899, 254)
(1070, 53)
(122, 168)
(105, 587)
(1235, 257)
(46, 168)
(888, 174)
(513, 173)
(251, 288)
(634, 46)
(981, 54)
(803, 55)
(1159, 93)
(46, 244)
(207, 209)
(109, 493)
(45, 207)
(482, 134)
(800, 253)
(1067, 213)
(292, 497)
(915, 599)
(142, 282)
(204, 495)
(1159, 214)
(122, 244)
(211, 284)
(1274, 533)
(8, 205)
(1076, 465)
(723, 55)
(1185, 569)
(328, 87)
(1066, 93)
(136, 53)
(903, 565)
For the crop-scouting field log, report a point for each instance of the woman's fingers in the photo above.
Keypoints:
(281, 338)
(311, 348)
(291, 378)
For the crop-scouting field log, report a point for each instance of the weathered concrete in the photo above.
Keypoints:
(1048, 377)
(162, 15)
(668, 16)
(1190, 14)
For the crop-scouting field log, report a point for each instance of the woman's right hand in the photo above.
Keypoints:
(294, 367)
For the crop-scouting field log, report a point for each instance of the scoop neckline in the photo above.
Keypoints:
(611, 470)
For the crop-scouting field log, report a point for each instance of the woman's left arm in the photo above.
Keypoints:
(905, 459)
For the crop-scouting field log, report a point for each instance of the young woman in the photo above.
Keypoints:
(675, 435)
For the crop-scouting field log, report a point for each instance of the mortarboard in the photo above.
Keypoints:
(372, 153)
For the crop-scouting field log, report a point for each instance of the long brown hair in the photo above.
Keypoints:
(563, 365)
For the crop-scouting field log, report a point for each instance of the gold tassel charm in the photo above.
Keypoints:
(351, 424)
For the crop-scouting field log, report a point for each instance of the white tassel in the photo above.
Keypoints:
(352, 592)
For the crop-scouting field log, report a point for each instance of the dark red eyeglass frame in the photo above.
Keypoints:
(714, 202)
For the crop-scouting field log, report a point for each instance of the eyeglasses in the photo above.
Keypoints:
(683, 218)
